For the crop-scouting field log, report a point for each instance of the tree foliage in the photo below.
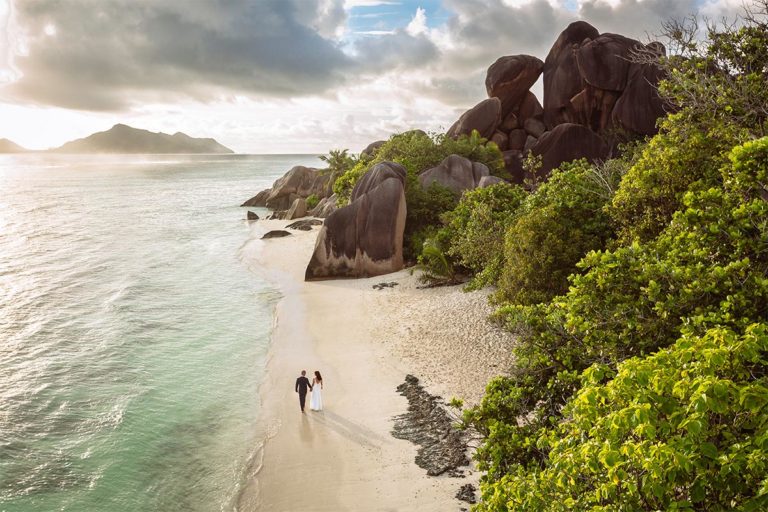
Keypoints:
(706, 272)
(474, 230)
(556, 226)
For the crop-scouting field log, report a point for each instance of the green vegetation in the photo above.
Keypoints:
(312, 201)
(556, 226)
(639, 294)
(417, 152)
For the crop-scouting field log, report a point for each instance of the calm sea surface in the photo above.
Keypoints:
(133, 331)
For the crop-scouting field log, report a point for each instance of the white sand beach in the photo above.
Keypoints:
(364, 341)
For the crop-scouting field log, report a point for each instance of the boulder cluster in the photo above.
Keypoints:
(595, 95)
(288, 195)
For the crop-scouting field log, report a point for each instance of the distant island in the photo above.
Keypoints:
(8, 146)
(122, 138)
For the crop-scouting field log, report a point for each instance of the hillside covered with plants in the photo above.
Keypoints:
(638, 289)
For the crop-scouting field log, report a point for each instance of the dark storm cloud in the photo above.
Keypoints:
(106, 54)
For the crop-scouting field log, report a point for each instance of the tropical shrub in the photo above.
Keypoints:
(707, 270)
(556, 226)
(312, 201)
(684, 429)
(474, 230)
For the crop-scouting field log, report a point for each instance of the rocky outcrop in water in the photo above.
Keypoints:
(364, 238)
(299, 182)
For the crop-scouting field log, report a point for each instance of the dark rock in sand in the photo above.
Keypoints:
(567, 142)
(562, 78)
(259, 199)
(251, 215)
(509, 79)
(455, 173)
(277, 233)
(364, 238)
(304, 224)
(467, 493)
(484, 117)
(442, 448)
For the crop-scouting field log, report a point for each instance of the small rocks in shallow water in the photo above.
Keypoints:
(251, 215)
(304, 225)
(277, 233)
(467, 493)
(381, 286)
(442, 448)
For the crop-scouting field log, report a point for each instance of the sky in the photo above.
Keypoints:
(278, 76)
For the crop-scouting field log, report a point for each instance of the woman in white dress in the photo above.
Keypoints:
(316, 400)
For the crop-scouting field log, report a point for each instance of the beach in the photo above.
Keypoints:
(364, 341)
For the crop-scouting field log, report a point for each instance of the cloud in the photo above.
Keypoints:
(109, 54)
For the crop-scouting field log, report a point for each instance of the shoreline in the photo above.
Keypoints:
(345, 457)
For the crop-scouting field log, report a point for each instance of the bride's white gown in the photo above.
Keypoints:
(316, 400)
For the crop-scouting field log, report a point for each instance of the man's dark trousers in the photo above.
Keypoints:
(302, 384)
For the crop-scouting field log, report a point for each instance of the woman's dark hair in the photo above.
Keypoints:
(318, 376)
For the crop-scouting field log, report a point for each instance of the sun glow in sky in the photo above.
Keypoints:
(277, 76)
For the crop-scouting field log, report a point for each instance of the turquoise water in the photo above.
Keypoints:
(133, 331)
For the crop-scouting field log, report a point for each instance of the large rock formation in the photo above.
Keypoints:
(483, 117)
(455, 173)
(364, 238)
(567, 142)
(590, 80)
(298, 183)
(509, 79)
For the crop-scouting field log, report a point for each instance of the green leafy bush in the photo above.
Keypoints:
(474, 230)
(680, 158)
(707, 270)
(556, 226)
(684, 429)
(312, 201)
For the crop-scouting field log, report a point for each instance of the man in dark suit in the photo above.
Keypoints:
(302, 383)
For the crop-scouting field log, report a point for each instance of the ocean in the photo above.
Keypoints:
(134, 330)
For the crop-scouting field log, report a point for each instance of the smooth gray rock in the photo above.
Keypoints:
(297, 210)
(325, 207)
(251, 215)
(299, 181)
(501, 139)
(488, 181)
(530, 141)
(517, 139)
(373, 147)
(455, 173)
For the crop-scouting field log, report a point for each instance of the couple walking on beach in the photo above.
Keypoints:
(302, 383)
